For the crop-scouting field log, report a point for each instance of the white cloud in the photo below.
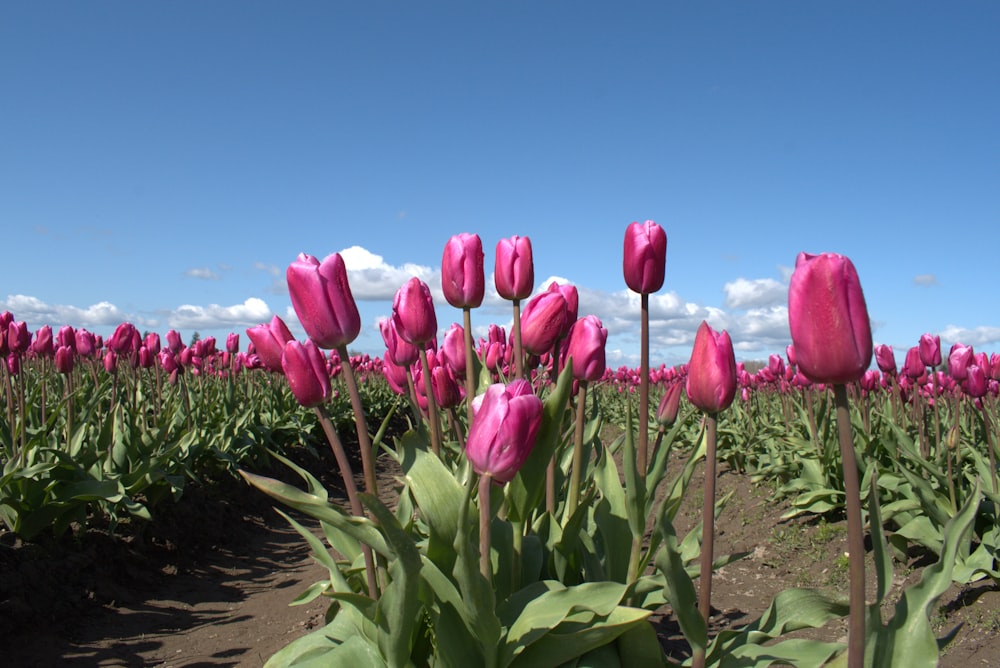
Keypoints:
(982, 336)
(251, 312)
(925, 279)
(373, 279)
(203, 273)
(757, 293)
(37, 313)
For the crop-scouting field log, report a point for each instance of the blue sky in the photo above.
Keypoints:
(163, 163)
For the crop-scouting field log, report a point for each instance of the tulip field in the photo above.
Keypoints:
(543, 509)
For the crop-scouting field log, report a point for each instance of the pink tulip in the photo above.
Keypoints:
(152, 343)
(121, 341)
(930, 349)
(790, 354)
(305, 368)
(959, 360)
(462, 277)
(64, 359)
(446, 390)
(43, 345)
(645, 257)
(711, 381)
(413, 313)
(86, 343)
(322, 300)
(542, 322)
(453, 349)
(666, 412)
(18, 337)
(776, 365)
(885, 359)
(585, 346)
(572, 297)
(233, 342)
(995, 366)
(503, 433)
(146, 357)
(828, 319)
(976, 382)
(514, 271)
(66, 337)
(174, 341)
(111, 361)
(269, 342)
(913, 366)
(396, 376)
(400, 352)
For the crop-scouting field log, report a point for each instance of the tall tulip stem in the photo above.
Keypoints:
(855, 532)
(470, 379)
(485, 567)
(518, 355)
(577, 473)
(352, 491)
(360, 423)
(644, 388)
(708, 520)
(432, 410)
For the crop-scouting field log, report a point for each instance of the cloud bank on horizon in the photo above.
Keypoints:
(754, 311)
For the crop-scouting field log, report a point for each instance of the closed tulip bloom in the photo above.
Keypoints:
(269, 342)
(585, 345)
(930, 349)
(959, 360)
(572, 297)
(401, 353)
(111, 361)
(462, 277)
(514, 271)
(174, 341)
(18, 337)
(65, 359)
(995, 366)
(233, 342)
(168, 361)
(666, 412)
(885, 359)
(396, 377)
(645, 257)
(446, 390)
(13, 364)
(86, 343)
(542, 321)
(504, 430)
(66, 337)
(976, 382)
(828, 319)
(152, 343)
(711, 381)
(43, 345)
(453, 349)
(322, 300)
(776, 365)
(146, 357)
(121, 341)
(913, 366)
(413, 312)
(305, 368)
(790, 354)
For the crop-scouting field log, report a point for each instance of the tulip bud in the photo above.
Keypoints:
(453, 349)
(913, 366)
(828, 319)
(447, 393)
(269, 342)
(66, 337)
(64, 359)
(585, 346)
(930, 350)
(233, 343)
(18, 338)
(959, 360)
(322, 300)
(401, 353)
(514, 271)
(645, 257)
(885, 359)
(43, 345)
(111, 361)
(572, 297)
(666, 412)
(504, 429)
(305, 369)
(976, 382)
(152, 343)
(174, 341)
(413, 313)
(462, 278)
(711, 381)
(542, 321)
(776, 366)
(790, 354)
(121, 341)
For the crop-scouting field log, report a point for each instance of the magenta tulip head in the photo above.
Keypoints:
(65, 359)
(401, 353)
(670, 404)
(43, 344)
(413, 313)
(711, 381)
(913, 366)
(462, 277)
(504, 430)
(542, 322)
(305, 368)
(585, 345)
(453, 349)
(828, 319)
(930, 349)
(514, 271)
(233, 342)
(885, 358)
(959, 359)
(645, 257)
(269, 342)
(322, 300)
(976, 381)
(18, 337)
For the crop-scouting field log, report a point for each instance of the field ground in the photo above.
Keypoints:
(210, 583)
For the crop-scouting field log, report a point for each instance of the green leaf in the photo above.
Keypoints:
(679, 588)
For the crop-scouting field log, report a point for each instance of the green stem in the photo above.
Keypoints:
(518, 356)
(643, 455)
(485, 566)
(708, 521)
(855, 532)
(470, 379)
(432, 410)
(352, 491)
(360, 423)
(577, 472)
